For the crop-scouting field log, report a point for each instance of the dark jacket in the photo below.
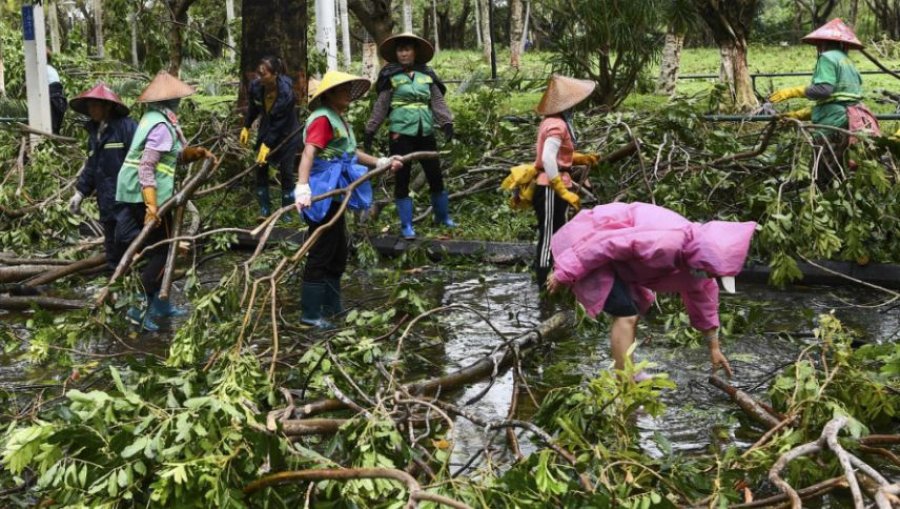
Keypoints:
(279, 122)
(105, 157)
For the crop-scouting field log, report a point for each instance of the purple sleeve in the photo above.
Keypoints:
(147, 168)
(159, 139)
(379, 111)
(442, 115)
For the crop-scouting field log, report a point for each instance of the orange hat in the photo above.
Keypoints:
(165, 87)
(563, 93)
(388, 47)
(834, 30)
(100, 92)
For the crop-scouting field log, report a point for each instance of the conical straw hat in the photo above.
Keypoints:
(563, 93)
(334, 79)
(388, 47)
(834, 30)
(311, 87)
(165, 87)
(100, 92)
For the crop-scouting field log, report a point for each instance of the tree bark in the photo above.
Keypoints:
(407, 16)
(434, 18)
(375, 17)
(178, 20)
(53, 22)
(273, 27)
(730, 24)
(516, 29)
(852, 13)
(98, 27)
(369, 58)
(229, 31)
(887, 12)
(453, 30)
(345, 33)
(2, 73)
(325, 18)
(671, 63)
(135, 60)
(486, 29)
(478, 37)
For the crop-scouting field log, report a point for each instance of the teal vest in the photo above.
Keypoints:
(342, 142)
(411, 104)
(835, 68)
(128, 187)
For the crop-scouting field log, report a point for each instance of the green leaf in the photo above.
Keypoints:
(136, 447)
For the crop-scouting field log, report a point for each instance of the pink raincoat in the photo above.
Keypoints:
(652, 249)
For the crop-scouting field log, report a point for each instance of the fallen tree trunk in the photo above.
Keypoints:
(21, 272)
(484, 368)
(66, 270)
(760, 412)
(52, 303)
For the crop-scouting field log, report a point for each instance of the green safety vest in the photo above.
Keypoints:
(411, 104)
(835, 68)
(342, 142)
(128, 186)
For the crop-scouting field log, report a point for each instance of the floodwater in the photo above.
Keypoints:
(696, 415)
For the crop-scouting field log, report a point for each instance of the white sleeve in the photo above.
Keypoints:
(548, 157)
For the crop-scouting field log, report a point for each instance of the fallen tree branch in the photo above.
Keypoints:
(759, 412)
(415, 491)
(66, 270)
(51, 303)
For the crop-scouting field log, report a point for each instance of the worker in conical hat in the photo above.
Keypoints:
(110, 132)
(147, 180)
(411, 98)
(836, 88)
(330, 160)
(555, 157)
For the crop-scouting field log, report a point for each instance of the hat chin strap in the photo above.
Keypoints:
(728, 283)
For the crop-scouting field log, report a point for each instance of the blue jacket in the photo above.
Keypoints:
(105, 157)
(279, 122)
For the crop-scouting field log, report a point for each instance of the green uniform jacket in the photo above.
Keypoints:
(343, 141)
(835, 68)
(128, 187)
(411, 104)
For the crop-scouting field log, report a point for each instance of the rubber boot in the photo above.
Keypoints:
(265, 205)
(405, 212)
(312, 300)
(164, 308)
(440, 203)
(332, 306)
(141, 318)
(287, 198)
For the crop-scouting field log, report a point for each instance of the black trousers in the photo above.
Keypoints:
(58, 106)
(112, 249)
(129, 222)
(328, 256)
(550, 210)
(403, 145)
(285, 159)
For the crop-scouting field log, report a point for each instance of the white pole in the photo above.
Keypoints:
(320, 34)
(229, 20)
(53, 20)
(345, 33)
(98, 27)
(329, 30)
(37, 88)
(525, 26)
(407, 16)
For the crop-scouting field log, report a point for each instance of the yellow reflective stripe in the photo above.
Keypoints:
(165, 169)
(409, 105)
(114, 145)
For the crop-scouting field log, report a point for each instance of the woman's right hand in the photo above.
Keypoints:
(302, 196)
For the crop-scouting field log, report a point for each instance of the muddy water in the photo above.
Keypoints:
(697, 414)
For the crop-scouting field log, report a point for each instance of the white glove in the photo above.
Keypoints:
(383, 161)
(302, 196)
(75, 203)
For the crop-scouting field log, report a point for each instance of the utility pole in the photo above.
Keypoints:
(493, 40)
(37, 88)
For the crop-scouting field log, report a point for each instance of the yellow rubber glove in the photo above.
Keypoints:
(580, 159)
(787, 93)
(896, 135)
(263, 154)
(245, 136)
(801, 114)
(560, 189)
(149, 194)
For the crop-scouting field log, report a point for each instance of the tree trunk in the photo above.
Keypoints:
(377, 20)
(133, 17)
(407, 16)
(369, 58)
(345, 33)
(670, 64)
(852, 13)
(434, 17)
(730, 24)
(229, 31)
(486, 29)
(2, 73)
(178, 20)
(325, 19)
(478, 37)
(453, 30)
(53, 22)
(98, 27)
(525, 25)
(516, 28)
(286, 38)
